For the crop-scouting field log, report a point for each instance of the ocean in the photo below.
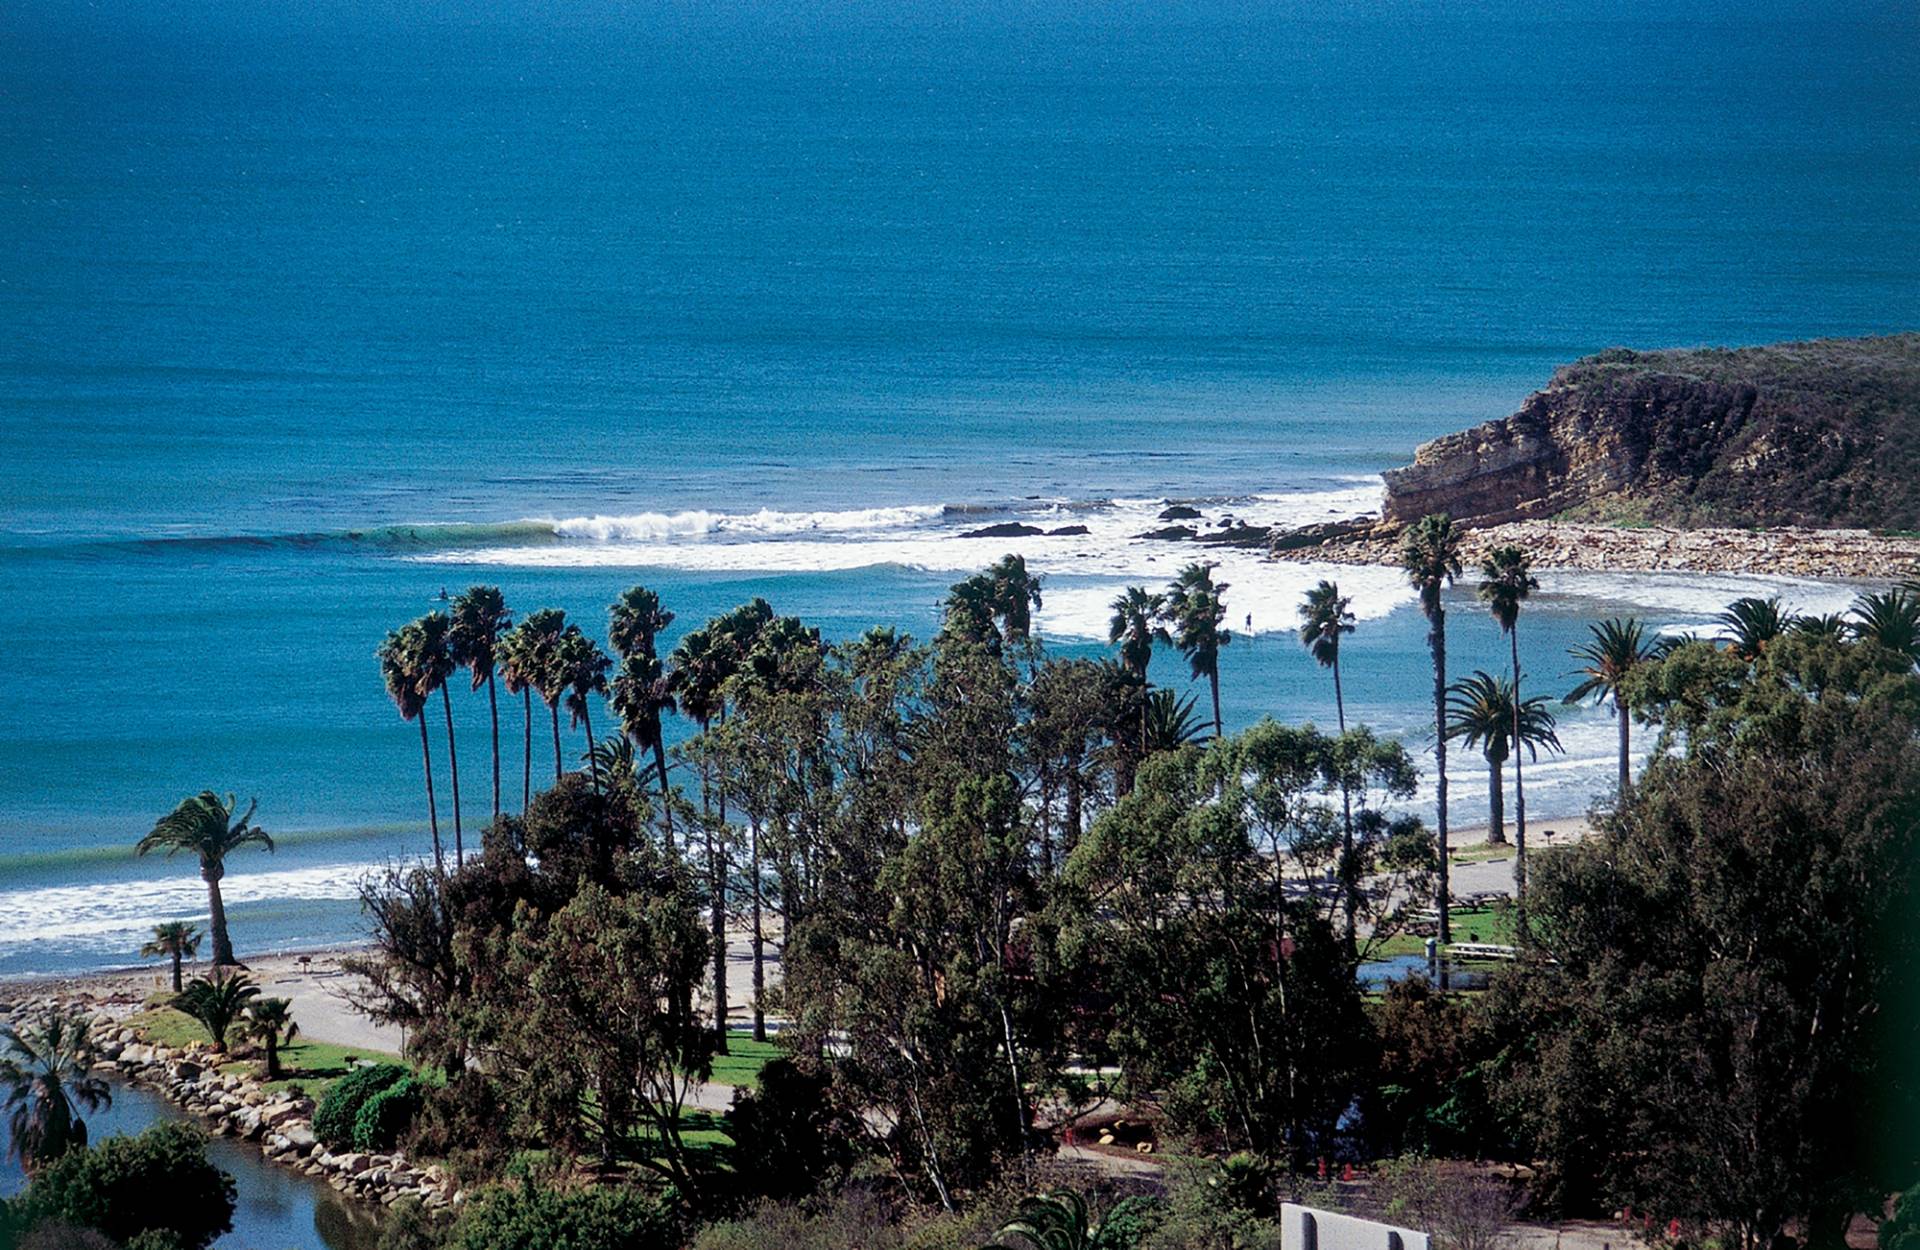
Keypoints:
(307, 312)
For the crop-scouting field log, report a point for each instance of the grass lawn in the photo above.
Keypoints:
(1480, 853)
(741, 1065)
(1470, 924)
(313, 1066)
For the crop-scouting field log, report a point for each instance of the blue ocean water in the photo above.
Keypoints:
(307, 312)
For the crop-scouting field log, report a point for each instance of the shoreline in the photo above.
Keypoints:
(1593, 547)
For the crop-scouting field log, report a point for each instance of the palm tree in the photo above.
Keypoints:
(1325, 615)
(269, 1021)
(1168, 722)
(641, 693)
(1430, 554)
(546, 675)
(48, 1072)
(1751, 624)
(1506, 579)
(1890, 620)
(1195, 607)
(1615, 650)
(526, 662)
(1015, 597)
(217, 1002)
(400, 663)
(435, 665)
(1482, 712)
(582, 668)
(480, 618)
(1830, 627)
(635, 620)
(701, 667)
(207, 828)
(175, 938)
(1135, 627)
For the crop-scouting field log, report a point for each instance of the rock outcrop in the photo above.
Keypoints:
(1821, 433)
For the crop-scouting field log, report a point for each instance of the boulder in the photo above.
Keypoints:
(1005, 529)
(1067, 531)
(1180, 512)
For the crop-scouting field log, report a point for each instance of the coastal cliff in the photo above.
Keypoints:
(1824, 433)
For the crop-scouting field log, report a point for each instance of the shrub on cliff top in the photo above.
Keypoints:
(339, 1111)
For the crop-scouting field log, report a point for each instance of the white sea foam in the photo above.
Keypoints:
(1679, 602)
(107, 915)
(645, 527)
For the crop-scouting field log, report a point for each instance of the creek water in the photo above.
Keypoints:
(274, 1208)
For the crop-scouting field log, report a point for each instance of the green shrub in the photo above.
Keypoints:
(159, 1184)
(530, 1216)
(334, 1121)
(384, 1116)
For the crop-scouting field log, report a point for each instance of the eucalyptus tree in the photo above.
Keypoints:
(1325, 616)
(176, 940)
(401, 662)
(47, 1069)
(1483, 712)
(1615, 650)
(1195, 606)
(480, 618)
(207, 827)
(1889, 619)
(1430, 556)
(1506, 579)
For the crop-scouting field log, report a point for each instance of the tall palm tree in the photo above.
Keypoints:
(1483, 712)
(530, 666)
(1016, 596)
(47, 1070)
(641, 695)
(1506, 579)
(218, 1002)
(400, 662)
(701, 667)
(1615, 650)
(176, 939)
(582, 668)
(1890, 619)
(1325, 615)
(1430, 555)
(1751, 624)
(1135, 627)
(435, 666)
(1195, 606)
(270, 1022)
(518, 652)
(480, 618)
(206, 827)
(635, 621)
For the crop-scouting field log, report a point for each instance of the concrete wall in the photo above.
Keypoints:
(1309, 1228)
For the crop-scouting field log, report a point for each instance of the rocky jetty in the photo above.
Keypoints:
(1816, 434)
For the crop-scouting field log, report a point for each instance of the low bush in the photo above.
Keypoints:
(339, 1111)
(528, 1214)
(385, 1115)
(158, 1189)
(465, 1125)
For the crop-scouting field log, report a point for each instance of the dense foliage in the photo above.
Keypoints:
(158, 1185)
(339, 1110)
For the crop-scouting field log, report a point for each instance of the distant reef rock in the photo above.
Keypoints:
(1005, 529)
(1821, 434)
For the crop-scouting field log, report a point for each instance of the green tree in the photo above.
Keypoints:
(1506, 579)
(546, 632)
(176, 940)
(218, 1002)
(206, 827)
(1606, 660)
(403, 668)
(581, 669)
(701, 666)
(1195, 606)
(1430, 555)
(1169, 721)
(642, 694)
(433, 666)
(480, 621)
(524, 662)
(635, 621)
(1889, 619)
(270, 1022)
(47, 1072)
(134, 1189)
(1326, 615)
(1751, 624)
(1135, 627)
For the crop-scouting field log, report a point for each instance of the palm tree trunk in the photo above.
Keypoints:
(176, 970)
(433, 808)
(453, 760)
(526, 742)
(211, 872)
(1496, 805)
(660, 762)
(759, 936)
(493, 710)
(1350, 881)
(555, 709)
(1519, 790)
(586, 721)
(1626, 766)
(1213, 679)
(717, 874)
(1437, 639)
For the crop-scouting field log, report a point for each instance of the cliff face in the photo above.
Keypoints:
(1822, 433)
